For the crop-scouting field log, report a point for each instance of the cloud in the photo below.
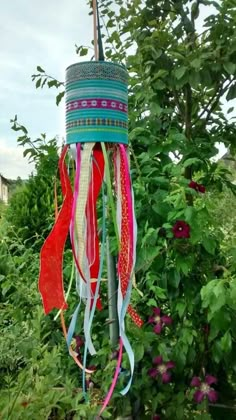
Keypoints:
(12, 162)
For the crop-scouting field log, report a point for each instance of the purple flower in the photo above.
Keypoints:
(181, 229)
(158, 320)
(114, 355)
(204, 390)
(79, 343)
(161, 369)
(156, 417)
(197, 187)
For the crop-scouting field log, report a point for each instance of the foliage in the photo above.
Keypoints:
(34, 377)
(43, 79)
(179, 78)
(31, 208)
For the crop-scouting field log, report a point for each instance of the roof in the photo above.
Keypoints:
(4, 179)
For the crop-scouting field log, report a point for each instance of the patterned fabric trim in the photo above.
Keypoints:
(97, 103)
(97, 122)
(93, 70)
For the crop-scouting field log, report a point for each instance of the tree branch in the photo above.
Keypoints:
(220, 93)
(213, 102)
(177, 102)
(188, 111)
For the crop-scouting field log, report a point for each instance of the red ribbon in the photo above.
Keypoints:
(125, 261)
(51, 256)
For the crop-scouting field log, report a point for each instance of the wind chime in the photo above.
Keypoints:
(97, 139)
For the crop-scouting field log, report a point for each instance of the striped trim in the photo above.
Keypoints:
(95, 129)
(104, 135)
(96, 93)
(97, 122)
(96, 113)
(98, 83)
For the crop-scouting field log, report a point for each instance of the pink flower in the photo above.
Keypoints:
(181, 229)
(197, 187)
(158, 320)
(204, 390)
(161, 369)
(156, 417)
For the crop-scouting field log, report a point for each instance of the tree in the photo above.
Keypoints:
(185, 272)
(31, 207)
(179, 80)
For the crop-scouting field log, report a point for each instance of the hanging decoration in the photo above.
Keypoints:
(97, 142)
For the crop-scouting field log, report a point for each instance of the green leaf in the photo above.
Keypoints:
(138, 352)
(174, 278)
(230, 109)
(189, 214)
(220, 322)
(155, 108)
(182, 265)
(180, 308)
(151, 302)
(180, 412)
(210, 245)
(159, 292)
(159, 85)
(194, 78)
(226, 342)
(229, 67)
(40, 69)
(160, 207)
(156, 53)
(205, 77)
(196, 63)
(52, 83)
(59, 97)
(231, 92)
(83, 51)
(191, 161)
(180, 72)
(38, 83)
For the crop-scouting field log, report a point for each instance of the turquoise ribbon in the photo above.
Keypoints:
(122, 309)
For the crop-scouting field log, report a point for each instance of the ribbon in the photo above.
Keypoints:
(97, 287)
(92, 246)
(127, 232)
(127, 226)
(51, 256)
(77, 158)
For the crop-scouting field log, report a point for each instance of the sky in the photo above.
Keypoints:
(36, 33)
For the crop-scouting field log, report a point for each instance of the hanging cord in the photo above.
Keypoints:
(100, 45)
(95, 34)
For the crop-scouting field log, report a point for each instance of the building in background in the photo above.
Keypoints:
(4, 189)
